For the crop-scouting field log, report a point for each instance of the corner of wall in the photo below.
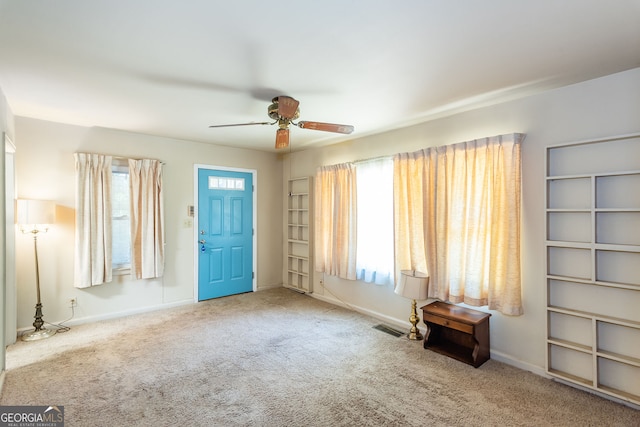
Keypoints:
(6, 127)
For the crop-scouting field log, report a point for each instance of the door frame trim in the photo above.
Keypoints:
(196, 257)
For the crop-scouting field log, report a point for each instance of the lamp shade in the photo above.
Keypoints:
(35, 212)
(413, 284)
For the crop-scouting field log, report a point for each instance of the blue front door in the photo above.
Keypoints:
(225, 233)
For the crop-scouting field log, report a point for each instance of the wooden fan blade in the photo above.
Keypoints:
(282, 138)
(242, 124)
(287, 107)
(327, 127)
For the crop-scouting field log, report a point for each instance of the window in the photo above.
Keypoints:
(374, 218)
(457, 210)
(224, 183)
(455, 217)
(350, 194)
(121, 219)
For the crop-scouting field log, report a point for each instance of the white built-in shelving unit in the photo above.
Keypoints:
(299, 231)
(593, 265)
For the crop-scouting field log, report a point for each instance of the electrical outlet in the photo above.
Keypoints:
(73, 302)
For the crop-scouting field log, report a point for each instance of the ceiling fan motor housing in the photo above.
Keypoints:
(274, 113)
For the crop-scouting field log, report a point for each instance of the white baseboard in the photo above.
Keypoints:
(392, 321)
(116, 315)
(525, 366)
(90, 319)
(265, 287)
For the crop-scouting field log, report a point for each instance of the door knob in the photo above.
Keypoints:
(202, 241)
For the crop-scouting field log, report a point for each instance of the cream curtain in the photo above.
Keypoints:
(410, 188)
(335, 220)
(93, 220)
(457, 213)
(147, 218)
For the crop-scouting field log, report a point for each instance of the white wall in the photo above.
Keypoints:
(6, 271)
(598, 108)
(46, 170)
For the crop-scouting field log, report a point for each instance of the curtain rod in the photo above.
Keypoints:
(129, 158)
(123, 158)
(371, 159)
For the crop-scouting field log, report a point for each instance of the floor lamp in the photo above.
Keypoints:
(413, 285)
(35, 216)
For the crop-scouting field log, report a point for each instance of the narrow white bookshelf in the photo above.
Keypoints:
(299, 232)
(593, 265)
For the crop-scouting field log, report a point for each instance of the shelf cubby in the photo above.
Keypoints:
(618, 227)
(574, 364)
(615, 266)
(569, 262)
(569, 226)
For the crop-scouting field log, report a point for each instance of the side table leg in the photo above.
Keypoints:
(474, 355)
(426, 335)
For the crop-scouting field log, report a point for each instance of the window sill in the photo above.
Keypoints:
(123, 271)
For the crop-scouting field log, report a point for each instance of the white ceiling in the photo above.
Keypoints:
(172, 68)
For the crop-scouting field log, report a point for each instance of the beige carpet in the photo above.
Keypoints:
(278, 358)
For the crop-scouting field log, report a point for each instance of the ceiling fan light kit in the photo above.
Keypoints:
(282, 138)
(283, 111)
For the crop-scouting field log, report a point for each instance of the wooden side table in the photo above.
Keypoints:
(457, 332)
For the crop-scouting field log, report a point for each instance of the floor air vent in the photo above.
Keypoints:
(389, 330)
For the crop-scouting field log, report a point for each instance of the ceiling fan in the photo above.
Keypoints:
(284, 110)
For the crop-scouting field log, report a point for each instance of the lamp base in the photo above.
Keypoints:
(415, 336)
(414, 333)
(39, 334)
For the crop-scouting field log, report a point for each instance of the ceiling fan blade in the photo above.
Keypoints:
(327, 127)
(282, 138)
(242, 124)
(287, 107)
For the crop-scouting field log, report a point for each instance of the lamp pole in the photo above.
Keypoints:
(40, 332)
